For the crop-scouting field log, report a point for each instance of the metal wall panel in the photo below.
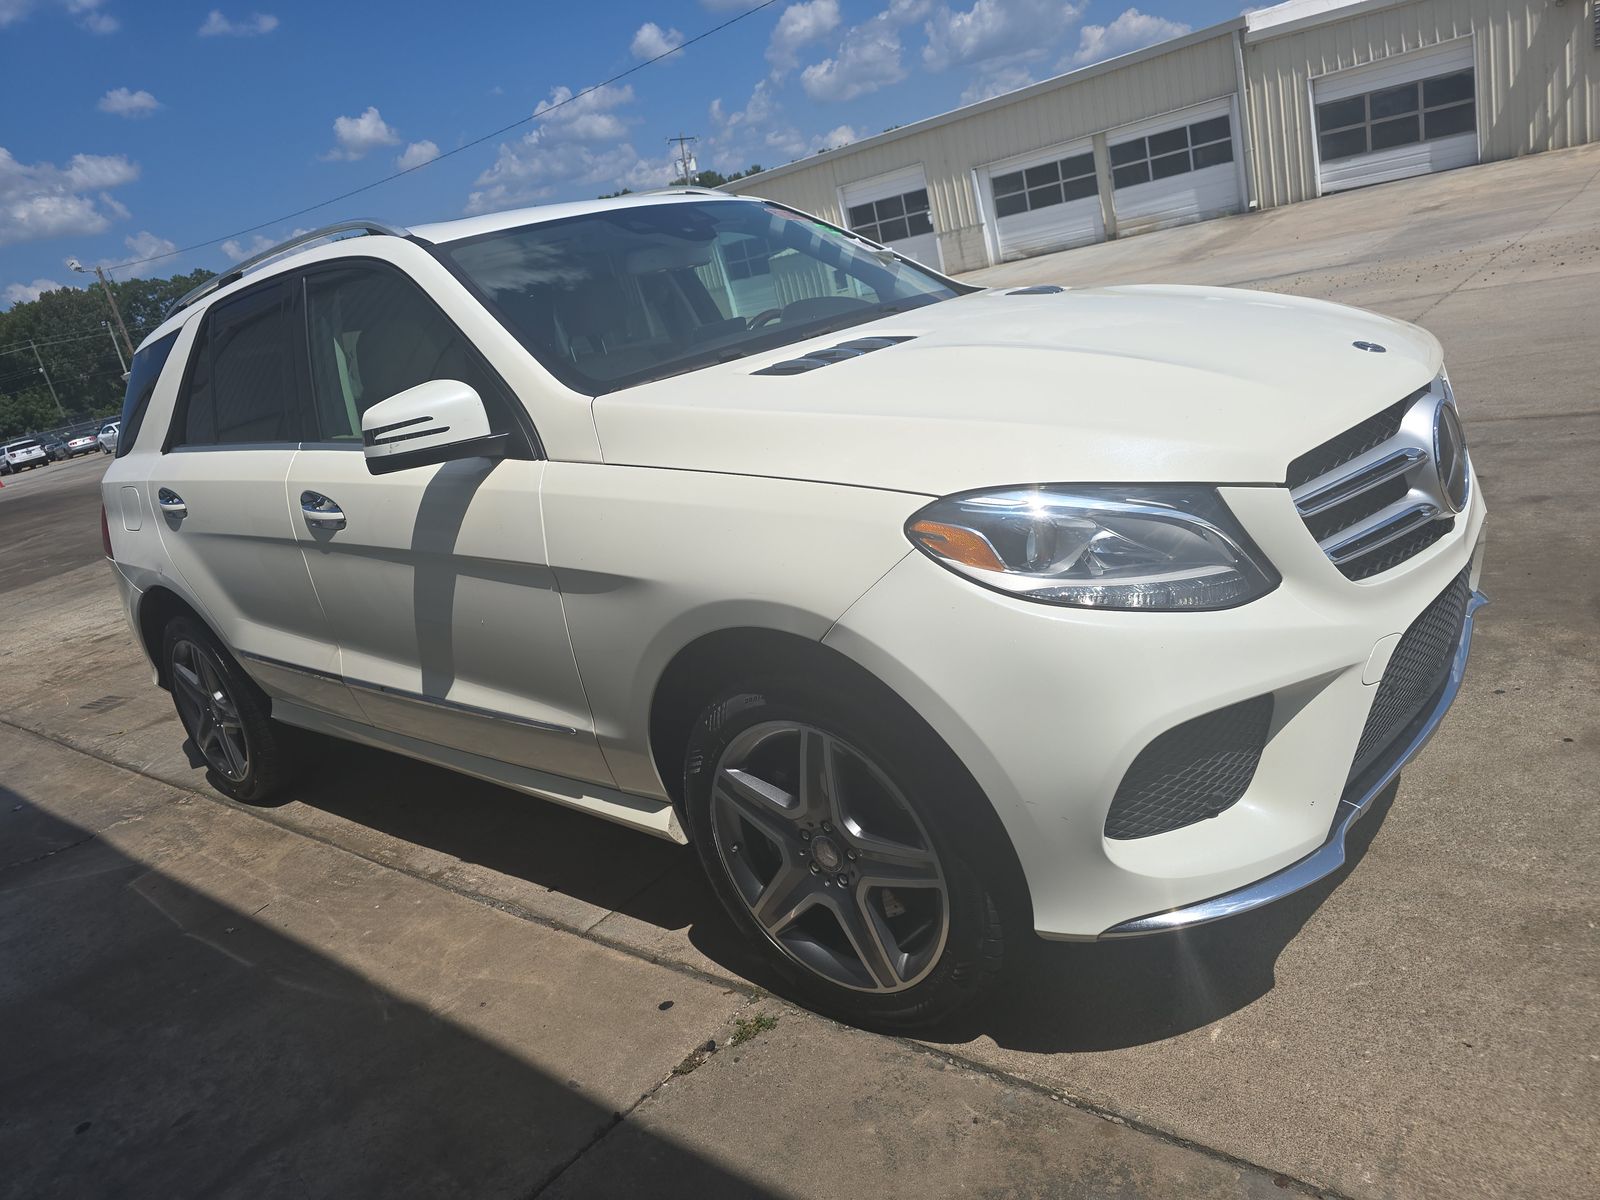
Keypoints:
(1187, 75)
(1538, 77)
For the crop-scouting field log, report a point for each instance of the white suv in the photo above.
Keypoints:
(928, 614)
(20, 456)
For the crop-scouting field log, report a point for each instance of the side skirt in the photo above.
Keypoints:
(655, 817)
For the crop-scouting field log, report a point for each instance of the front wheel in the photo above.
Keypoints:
(838, 839)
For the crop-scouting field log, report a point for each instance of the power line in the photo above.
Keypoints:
(477, 141)
(12, 347)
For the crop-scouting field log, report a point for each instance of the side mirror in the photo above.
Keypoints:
(438, 421)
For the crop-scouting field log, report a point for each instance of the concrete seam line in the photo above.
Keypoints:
(23, 862)
(510, 909)
(1511, 245)
(617, 1118)
(752, 992)
(1061, 1096)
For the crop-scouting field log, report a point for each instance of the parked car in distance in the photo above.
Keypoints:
(932, 616)
(55, 450)
(22, 455)
(107, 438)
(83, 443)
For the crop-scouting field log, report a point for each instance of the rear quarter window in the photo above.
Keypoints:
(142, 378)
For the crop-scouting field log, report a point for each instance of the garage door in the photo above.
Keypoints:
(1048, 200)
(893, 209)
(1174, 169)
(1399, 117)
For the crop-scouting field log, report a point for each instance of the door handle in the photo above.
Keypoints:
(321, 512)
(171, 503)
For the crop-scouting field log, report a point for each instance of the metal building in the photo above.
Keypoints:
(1280, 105)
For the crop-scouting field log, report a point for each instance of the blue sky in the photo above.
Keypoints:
(134, 129)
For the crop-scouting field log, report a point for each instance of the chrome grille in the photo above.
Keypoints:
(1372, 497)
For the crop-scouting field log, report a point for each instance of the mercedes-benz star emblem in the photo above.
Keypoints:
(1450, 457)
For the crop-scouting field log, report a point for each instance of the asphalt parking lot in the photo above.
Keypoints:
(406, 981)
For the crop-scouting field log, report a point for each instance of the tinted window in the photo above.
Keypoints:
(372, 335)
(1386, 118)
(142, 376)
(242, 386)
(610, 299)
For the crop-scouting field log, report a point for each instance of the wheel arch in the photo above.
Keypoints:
(157, 606)
(726, 657)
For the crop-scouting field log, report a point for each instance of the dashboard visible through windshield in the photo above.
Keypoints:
(612, 299)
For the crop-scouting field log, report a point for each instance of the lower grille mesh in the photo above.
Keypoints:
(1191, 772)
(1416, 671)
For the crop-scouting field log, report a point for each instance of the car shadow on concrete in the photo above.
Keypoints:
(1057, 998)
(160, 1043)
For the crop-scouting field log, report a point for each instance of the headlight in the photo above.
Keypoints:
(1161, 548)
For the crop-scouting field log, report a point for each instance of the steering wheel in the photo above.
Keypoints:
(765, 317)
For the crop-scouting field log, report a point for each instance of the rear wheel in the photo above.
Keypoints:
(835, 839)
(227, 717)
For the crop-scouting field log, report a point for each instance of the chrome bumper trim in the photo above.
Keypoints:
(1330, 856)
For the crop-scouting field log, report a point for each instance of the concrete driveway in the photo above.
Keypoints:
(1422, 1025)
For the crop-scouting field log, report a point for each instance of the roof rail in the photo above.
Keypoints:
(369, 228)
(693, 189)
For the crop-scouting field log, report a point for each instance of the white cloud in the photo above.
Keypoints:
(839, 135)
(589, 117)
(651, 41)
(565, 152)
(238, 251)
(995, 30)
(800, 25)
(1132, 30)
(417, 154)
(87, 12)
(256, 24)
(22, 293)
(867, 59)
(123, 103)
(142, 245)
(41, 200)
(997, 82)
(356, 136)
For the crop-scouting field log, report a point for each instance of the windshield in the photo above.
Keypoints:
(616, 298)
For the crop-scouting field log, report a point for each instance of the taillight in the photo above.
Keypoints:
(105, 533)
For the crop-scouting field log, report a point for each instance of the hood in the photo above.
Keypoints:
(1094, 385)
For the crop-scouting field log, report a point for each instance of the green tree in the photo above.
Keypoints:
(71, 329)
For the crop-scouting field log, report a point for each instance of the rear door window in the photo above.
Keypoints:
(243, 383)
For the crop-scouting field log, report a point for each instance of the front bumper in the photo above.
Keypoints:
(1048, 707)
(1353, 805)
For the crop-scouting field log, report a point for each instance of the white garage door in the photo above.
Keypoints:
(1044, 201)
(893, 209)
(1402, 116)
(1175, 169)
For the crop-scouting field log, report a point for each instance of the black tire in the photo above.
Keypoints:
(943, 800)
(270, 746)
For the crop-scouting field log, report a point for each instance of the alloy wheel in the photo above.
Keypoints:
(829, 857)
(209, 712)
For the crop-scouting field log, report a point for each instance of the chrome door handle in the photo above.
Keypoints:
(171, 503)
(321, 512)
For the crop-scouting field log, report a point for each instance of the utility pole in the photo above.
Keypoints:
(117, 346)
(46, 374)
(683, 154)
(110, 299)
